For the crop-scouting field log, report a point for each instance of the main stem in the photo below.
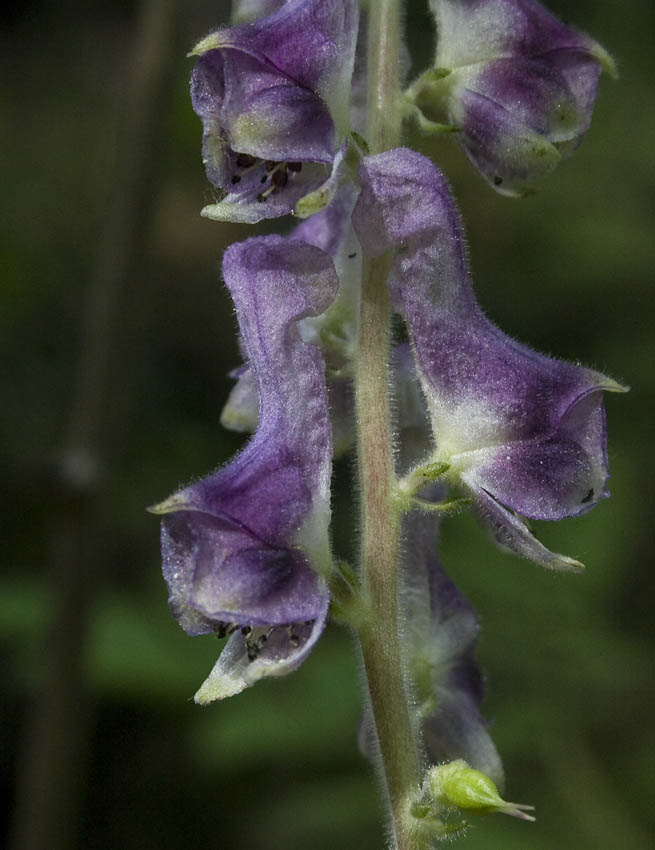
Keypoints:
(380, 520)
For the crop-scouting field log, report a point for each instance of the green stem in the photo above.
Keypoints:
(380, 517)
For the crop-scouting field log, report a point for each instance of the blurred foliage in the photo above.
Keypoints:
(568, 658)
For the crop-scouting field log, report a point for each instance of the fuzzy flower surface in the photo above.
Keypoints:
(517, 83)
(522, 434)
(272, 95)
(334, 331)
(246, 550)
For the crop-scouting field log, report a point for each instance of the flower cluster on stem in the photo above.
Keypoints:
(460, 416)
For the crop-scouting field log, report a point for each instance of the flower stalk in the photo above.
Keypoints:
(380, 516)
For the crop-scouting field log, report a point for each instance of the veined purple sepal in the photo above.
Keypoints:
(518, 83)
(246, 550)
(441, 633)
(522, 433)
(272, 95)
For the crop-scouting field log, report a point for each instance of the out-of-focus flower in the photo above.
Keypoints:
(246, 550)
(273, 98)
(440, 634)
(521, 433)
(517, 83)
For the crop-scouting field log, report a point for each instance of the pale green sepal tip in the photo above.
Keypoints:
(611, 386)
(169, 506)
(227, 211)
(217, 687)
(606, 61)
(457, 784)
(567, 565)
(439, 73)
(213, 41)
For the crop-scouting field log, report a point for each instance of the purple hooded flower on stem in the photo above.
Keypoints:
(517, 83)
(246, 550)
(273, 99)
(522, 434)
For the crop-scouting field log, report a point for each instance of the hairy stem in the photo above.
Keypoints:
(380, 520)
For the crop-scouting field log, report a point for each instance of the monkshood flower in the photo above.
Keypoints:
(441, 630)
(272, 95)
(246, 550)
(517, 83)
(334, 331)
(521, 433)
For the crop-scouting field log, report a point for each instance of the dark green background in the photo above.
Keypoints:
(568, 658)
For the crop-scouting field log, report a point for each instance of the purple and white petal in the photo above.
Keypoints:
(521, 87)
(272, 95)
(247, 548)
(520, 429)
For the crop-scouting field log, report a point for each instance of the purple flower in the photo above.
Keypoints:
(523, 434)
(273, 98)
(246, 550)
(518, 83)
(440, 634)
(334, 331)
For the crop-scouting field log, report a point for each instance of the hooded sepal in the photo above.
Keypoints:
(334, 331)
(273, 99)
(246, 550)
(523, 434)
(520, 87)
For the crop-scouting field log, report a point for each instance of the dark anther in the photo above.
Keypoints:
(235, 179)
(264, 179)
(252, 650)
(244, 160)
(498, 181)
(221, 629)
(294, 166)
(352, 256)
(245, 630)
(588, 497)
(261, 198)
(309, 622)
(279, 179)
(294, 640)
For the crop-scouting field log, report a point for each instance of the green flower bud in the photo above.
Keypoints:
(457, 784)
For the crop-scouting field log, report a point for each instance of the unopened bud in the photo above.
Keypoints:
(457, 784)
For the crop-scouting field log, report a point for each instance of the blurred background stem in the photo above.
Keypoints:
(51, 770)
